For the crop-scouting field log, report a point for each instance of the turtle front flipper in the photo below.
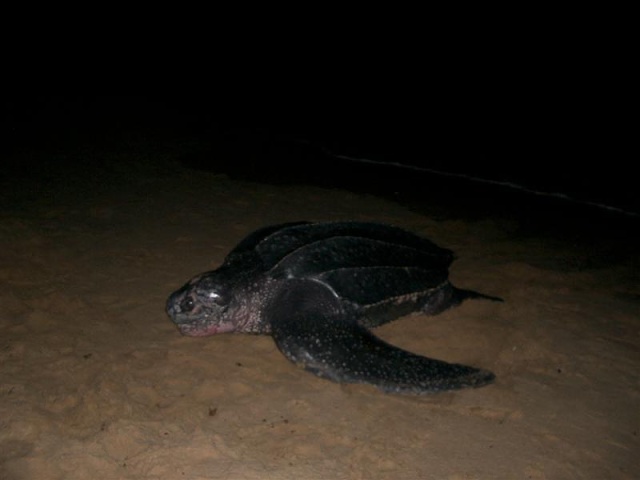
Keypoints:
(317, 331)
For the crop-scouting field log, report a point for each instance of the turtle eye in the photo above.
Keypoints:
(187, 304)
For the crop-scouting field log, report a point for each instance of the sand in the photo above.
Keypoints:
(96, 382)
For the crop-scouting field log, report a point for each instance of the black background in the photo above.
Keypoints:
(535, 140)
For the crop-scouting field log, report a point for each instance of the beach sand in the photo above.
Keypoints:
(96, 382)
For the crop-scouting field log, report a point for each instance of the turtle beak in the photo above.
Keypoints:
(169, 308)
(178, 304)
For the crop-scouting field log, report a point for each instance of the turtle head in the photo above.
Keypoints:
(198, 308)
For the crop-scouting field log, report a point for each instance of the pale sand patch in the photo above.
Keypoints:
(95, 382)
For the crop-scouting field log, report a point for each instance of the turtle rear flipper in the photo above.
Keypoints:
(317, 331)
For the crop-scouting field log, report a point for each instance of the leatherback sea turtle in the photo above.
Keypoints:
(318, 287)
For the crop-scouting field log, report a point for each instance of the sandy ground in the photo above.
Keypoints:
(96, 382)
